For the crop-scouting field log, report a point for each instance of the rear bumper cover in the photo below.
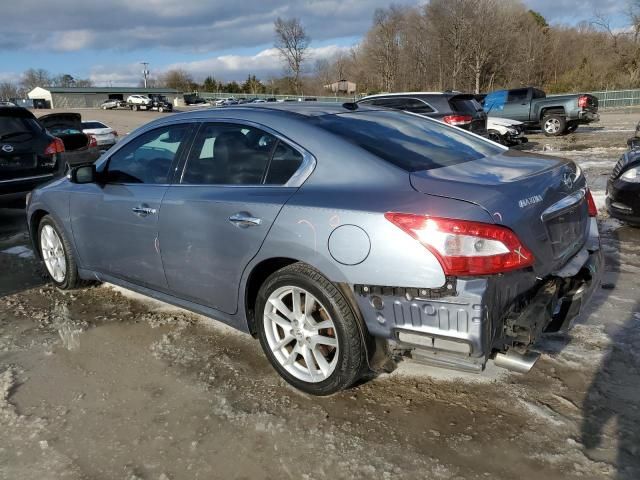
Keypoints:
(587, 116)
(483, 315)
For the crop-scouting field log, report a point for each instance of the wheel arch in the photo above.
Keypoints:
(34, 222)
(259, 273)
(558, 110)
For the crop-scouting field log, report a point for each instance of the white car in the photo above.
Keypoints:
(136, 102)
(506, 131)
(104, 134)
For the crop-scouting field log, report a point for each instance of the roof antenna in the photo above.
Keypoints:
(350, 105)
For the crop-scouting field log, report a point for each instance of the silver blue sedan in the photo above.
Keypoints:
(344, 237)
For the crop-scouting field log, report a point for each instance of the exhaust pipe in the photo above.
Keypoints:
(517, 362)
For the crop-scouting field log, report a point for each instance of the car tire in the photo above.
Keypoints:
(495, 136)
(571, 127)
(160, 109)
(331, 339)
(553, 125)
(56, 253)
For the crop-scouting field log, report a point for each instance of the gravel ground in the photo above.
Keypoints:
(103, 384)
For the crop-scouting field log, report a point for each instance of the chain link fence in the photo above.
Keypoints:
(209, 96)
(617, 98)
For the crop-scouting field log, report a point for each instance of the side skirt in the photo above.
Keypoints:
(233, 321)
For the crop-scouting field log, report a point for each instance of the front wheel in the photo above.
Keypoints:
(495, 136)
(553, 125)
(55, 251)
(308, 331)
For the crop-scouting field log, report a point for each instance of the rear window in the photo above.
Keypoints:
(92, 125)
(15, 127)
(413, 105)
(410, 142)
(465, 105)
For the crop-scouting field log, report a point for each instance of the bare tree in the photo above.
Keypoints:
(177, 78)
(33, 78)
(292, 42)
(8, 90)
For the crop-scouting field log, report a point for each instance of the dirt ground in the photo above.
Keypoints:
(103, 384)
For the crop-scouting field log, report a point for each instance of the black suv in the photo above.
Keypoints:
(458, 109)
(29, 155)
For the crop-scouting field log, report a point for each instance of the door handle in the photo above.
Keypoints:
(244, 220)
(143, 211)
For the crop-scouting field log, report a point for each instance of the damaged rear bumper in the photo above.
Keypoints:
(469, 321)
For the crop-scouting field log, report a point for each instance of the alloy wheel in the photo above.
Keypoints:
(552, 125)
(53, 253)
(301, 334)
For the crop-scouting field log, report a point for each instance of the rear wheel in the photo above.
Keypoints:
(308, 331)
(160, 109)
(553, 125)
(55, 251)
(571, 127)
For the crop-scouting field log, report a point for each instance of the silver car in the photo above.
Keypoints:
(344, 237)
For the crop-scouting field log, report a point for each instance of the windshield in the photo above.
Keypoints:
(410, 142)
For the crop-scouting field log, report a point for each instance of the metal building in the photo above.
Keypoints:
(91, 97)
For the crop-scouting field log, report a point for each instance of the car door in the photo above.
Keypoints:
(215, 218)
(517, 105)
(115, 221)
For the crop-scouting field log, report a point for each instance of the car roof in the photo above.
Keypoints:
(14, 111)
(306, 109)
(412, 94)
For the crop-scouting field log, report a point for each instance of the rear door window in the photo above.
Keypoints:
(285, 162)
(229, 154)
(407, 141)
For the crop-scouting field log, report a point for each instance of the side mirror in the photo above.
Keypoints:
(83, 174)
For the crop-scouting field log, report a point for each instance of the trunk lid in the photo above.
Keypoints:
(540, 198)
(60, 121)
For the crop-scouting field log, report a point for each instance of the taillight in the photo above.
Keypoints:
(92, 141)
(457, 120)
(57, 146)
(464, 247)
(591, 204)
(583, 101)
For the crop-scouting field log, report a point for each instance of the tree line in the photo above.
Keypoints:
(482, 45)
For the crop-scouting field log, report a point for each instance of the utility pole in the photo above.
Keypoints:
(145, 72)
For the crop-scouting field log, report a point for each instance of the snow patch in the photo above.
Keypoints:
(20, 251)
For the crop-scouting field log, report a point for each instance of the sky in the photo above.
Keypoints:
(106, 40)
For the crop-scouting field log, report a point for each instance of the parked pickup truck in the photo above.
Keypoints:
(555, 115)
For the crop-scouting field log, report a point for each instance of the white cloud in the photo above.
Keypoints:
(263, 64)
(72, 40)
